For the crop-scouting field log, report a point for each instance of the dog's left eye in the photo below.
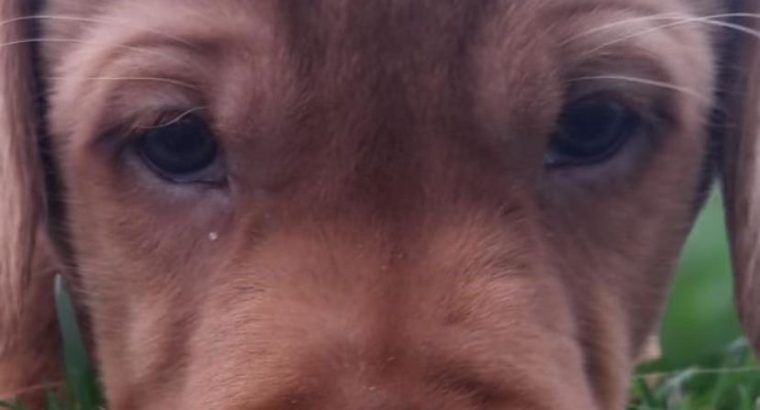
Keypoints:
(591, 131)
(181, 151)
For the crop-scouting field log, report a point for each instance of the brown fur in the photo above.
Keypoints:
(389, 238)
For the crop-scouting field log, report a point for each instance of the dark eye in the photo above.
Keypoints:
(181, 151)
(591, 131)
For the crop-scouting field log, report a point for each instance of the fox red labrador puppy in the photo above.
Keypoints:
(387, 204)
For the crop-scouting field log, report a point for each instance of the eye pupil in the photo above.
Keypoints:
(591, 131)
(180, 148)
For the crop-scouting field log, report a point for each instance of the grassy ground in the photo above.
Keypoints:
(705, 364)
(80, 390)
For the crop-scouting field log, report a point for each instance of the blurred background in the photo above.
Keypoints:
(704, 362)
(701, 318)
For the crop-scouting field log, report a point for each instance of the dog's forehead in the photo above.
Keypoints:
(334, 19)
(360, 70)
(422, 32)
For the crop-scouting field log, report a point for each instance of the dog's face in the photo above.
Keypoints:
(375, 205)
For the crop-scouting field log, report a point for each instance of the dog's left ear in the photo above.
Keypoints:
(737, 129)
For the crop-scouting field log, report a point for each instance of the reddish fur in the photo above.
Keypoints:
(390, 239)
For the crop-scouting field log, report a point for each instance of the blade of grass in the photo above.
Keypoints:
(52, 401)
(12, 406)
(81, 382)
(645, 395)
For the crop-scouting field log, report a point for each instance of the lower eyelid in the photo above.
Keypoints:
(632, 157)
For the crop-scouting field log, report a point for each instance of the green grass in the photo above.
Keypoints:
(728, 380)
(705, 364)
(80, 389)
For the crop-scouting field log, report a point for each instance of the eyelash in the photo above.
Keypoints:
(592, 130)
(183, 150)
(573, 144)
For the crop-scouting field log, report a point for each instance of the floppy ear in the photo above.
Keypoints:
(19, 164)
(740, 174)
(28, 350)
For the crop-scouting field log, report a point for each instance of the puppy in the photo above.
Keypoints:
(390, 204)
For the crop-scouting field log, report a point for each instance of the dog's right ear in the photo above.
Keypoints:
(740, 167)
(27, 324)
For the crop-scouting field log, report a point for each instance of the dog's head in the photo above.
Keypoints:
(371, 205)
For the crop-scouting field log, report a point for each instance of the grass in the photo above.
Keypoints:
(705, 364)
(729, 380)
(80, 389)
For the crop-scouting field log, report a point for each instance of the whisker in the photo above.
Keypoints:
(655, 17)
(176, 119)
(92, 20)
(141, 50)
(737, 27)
(679, 19)
(644, 81)
(124, 47)
(156, 79)
(75, 41)
(700, 20)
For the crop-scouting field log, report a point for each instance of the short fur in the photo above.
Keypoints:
(388, 237)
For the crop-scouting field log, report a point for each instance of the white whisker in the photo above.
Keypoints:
(92, 20)
(603, 27)
(700, 20)
(123, 47)
(75, 41)
(176, 119)
(156, 79)
(678, 19)
(644, 81)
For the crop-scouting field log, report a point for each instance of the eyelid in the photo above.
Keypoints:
(656, 105)
(214, 174)
(169, 117)
(610, 86)
(627, 122)
(121, 131)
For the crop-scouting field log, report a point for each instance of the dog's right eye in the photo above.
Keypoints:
(181, 151)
